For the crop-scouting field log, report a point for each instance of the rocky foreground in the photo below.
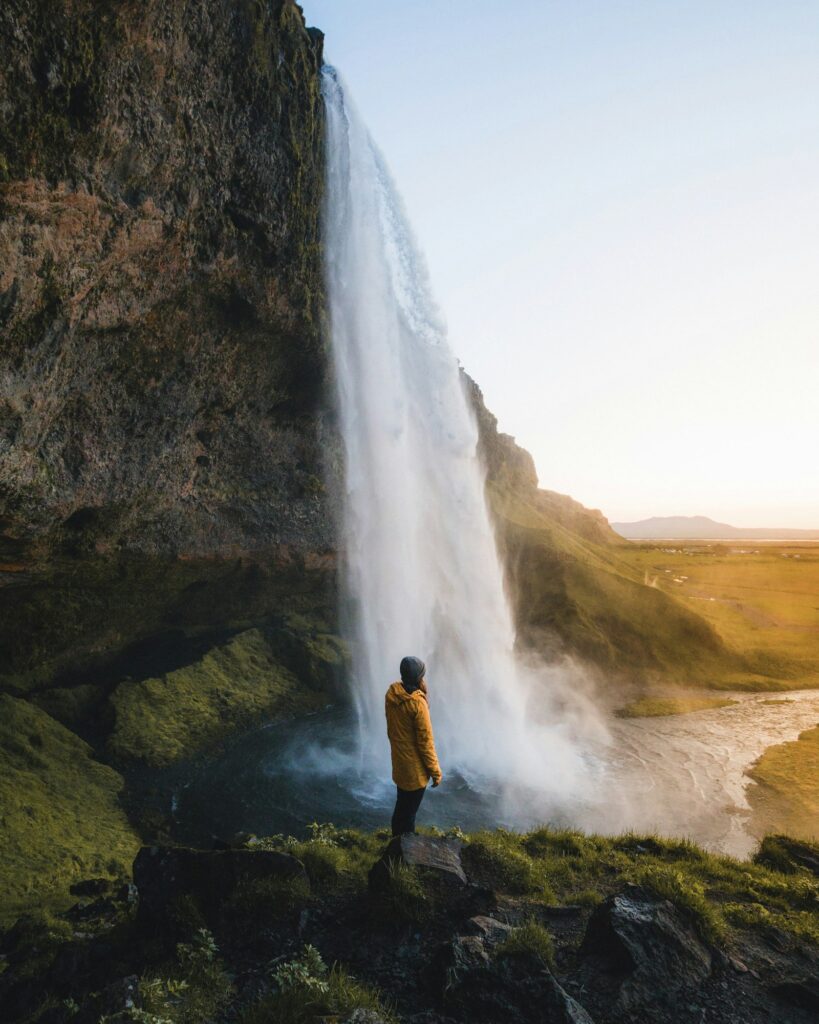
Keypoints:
(552, 926)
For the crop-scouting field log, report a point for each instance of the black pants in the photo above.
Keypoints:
(406, 807)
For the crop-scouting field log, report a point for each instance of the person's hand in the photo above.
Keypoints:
(436, 782)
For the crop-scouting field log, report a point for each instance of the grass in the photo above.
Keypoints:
(786, 797)
(59, 811)
(404, 899)
(713, 890)
(530, 939)
(495, 859)
(655, 707)
(162, 720)
(695, 614)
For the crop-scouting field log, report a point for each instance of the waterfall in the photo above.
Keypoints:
(420, 566)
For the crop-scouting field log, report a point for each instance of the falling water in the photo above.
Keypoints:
(421, 566)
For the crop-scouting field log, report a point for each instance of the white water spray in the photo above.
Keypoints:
(420, 562)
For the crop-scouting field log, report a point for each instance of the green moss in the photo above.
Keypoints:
(159, 721)
(61, 820)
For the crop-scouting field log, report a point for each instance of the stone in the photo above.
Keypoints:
(650, 943)
(518, 989)
(477, 985)
(438, 856)
(163, 874)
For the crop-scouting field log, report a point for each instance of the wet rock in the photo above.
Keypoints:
(648, 945)
(437, 856)
(164, 874)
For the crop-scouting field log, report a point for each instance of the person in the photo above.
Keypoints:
(414, 761)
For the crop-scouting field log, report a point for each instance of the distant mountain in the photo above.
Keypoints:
(703, 528)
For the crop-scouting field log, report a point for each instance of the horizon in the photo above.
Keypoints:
(626, 212)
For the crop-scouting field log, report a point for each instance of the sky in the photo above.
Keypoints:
(619, 206)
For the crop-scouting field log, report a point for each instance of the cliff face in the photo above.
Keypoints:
(163, 445)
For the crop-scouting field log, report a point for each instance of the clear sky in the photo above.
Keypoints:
(619, 204)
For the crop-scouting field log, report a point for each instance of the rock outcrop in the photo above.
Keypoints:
(648, 947)
(164, 450)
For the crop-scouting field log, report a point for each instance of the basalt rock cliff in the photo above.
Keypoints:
(164, 454)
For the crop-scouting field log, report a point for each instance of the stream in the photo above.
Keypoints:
(681, 775)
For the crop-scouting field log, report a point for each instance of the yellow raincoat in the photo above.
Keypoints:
(414, 761)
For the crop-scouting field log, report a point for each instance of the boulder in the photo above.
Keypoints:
(163, 874)
(477, 985)
(649, 944)
(517, 989)
(435, 856)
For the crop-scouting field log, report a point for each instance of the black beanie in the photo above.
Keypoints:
(412, 672)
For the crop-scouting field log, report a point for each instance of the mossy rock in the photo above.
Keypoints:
(61, 820)
(159, 721)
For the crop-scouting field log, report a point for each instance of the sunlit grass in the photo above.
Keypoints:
(787, 792)
(655, 707)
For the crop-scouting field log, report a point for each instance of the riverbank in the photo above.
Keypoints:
(659, 707)
(785, 795)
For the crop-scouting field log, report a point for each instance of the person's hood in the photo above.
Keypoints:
(396, 694)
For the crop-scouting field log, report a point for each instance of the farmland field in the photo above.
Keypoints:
(761, 597)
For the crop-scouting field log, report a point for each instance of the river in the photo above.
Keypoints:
(682, 775)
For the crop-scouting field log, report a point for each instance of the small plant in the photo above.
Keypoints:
(202, 950)
(325, 833)
(309, 992)
(307, 972)
(530, 939)
(455, 832)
